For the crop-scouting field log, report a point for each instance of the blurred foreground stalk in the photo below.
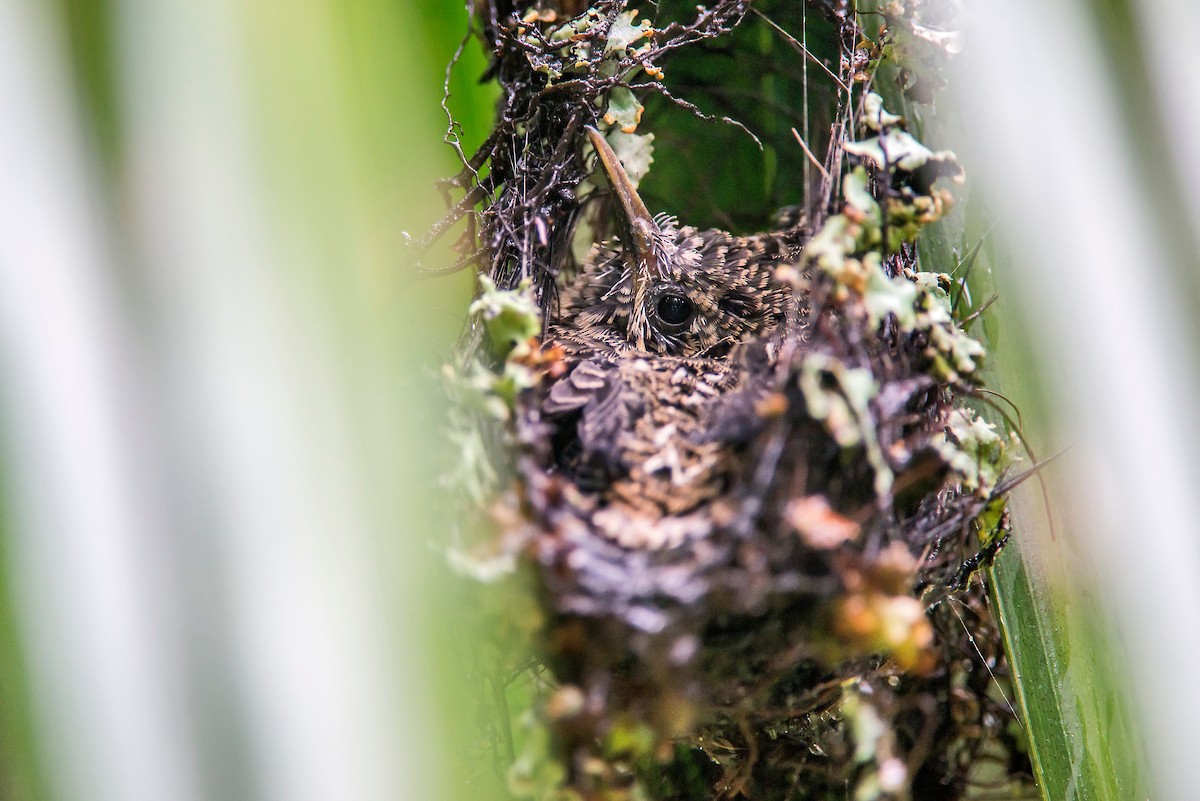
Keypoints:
(1082, 155)
(218, 414)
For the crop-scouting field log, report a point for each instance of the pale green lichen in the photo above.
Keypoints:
(483, 568)
(829, 246)
(510, 317)
(482, 395)
(953, 354)
(883, 774)
(875, 116)
(624, 111)
(974, 451)
(491, 393)
(859, 197)
(625, 31)
(835, 248)
(619, 109)
(845, 408)
(847, 249)
(636, 152)
(892, 148)
(885, 296)
(536, 774)
(619, 44)
(472, 470)
(855, 231)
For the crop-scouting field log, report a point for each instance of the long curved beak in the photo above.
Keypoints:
(642, 228)
(641, 224)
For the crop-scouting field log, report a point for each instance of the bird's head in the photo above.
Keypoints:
(672, 290)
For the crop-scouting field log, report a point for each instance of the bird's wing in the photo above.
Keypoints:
(595, 388)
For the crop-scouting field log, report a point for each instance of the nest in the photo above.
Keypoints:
(822, 631)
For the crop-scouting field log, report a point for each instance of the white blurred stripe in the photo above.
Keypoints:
(193, 545)
(96, 615)
(257, 398)
(1045, 136)
(1172, 65)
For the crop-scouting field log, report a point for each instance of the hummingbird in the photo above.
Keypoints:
(670, 337)
(669, 331)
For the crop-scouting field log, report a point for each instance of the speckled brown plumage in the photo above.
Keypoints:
(729, 281)
(669, 340)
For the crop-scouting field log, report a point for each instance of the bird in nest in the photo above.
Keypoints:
(669, 333)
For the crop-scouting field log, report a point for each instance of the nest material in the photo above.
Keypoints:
(522, 186)
(822, 631)
(754, 632)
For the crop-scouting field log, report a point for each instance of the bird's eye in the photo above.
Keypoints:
(675, 311)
